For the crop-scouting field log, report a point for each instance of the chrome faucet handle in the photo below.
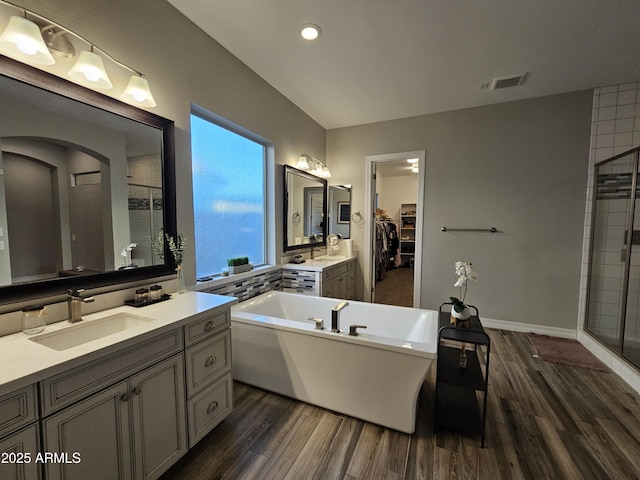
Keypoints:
(319, 323)
(352, 329)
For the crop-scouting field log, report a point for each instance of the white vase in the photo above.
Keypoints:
(465, 314)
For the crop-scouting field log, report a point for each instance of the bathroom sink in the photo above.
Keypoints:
(86, 331)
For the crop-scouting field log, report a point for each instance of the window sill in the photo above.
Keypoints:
(220, 280)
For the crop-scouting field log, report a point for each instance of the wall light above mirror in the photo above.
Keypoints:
(312, 165)
(31, 38)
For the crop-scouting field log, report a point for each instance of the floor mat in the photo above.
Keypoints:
(565, 350)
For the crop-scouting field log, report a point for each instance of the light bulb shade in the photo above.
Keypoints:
(22, 40)
(138, 92)
(89, 70)
(325, 172)
(302, 164)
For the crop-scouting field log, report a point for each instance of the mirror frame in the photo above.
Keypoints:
(59, 86)
(323, 182)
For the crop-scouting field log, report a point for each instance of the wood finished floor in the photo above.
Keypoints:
(544, 421)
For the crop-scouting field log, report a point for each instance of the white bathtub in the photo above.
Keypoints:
(375, 376)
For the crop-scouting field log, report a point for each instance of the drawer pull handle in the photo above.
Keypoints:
(210, 361)
(125, 397)
(136, 391)
(209, 325)
(212, 406)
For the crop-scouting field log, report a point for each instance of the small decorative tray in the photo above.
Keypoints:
(133, 303)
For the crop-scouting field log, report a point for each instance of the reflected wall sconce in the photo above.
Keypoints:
(313, 165)
(32, 39)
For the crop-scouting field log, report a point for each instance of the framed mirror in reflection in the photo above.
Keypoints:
(305, 210)
(87, 183)
(340, 210)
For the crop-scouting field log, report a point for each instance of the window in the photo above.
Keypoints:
(229, 190)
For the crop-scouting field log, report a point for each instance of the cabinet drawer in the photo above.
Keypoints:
(17, 409)
(23, 442)
(210, 325)
(208, 360)
(209, 408)
(351, 264)
(69, 387)
(334, 272)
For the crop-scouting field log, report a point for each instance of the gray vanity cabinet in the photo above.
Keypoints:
(19, 435)
(157, 416)
(208, 373)
(134, 429)
(14, 450)
(98, 429)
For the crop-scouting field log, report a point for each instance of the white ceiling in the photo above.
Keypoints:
(383, 59)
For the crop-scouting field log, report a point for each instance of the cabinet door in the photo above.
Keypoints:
(19, 455)
(158, 417)
(95, 431)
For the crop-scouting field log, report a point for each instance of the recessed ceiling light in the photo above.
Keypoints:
(310, 31)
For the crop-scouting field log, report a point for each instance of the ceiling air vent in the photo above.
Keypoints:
(506, 82)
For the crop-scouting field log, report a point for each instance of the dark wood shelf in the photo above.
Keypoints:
(458, 409)
(449, 370)
(458, 405)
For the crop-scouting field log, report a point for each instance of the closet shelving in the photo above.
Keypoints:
(408, 232)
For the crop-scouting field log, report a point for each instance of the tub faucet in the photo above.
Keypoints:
(74, 304)
(335, 320)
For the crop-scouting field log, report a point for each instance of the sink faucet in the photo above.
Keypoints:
(335, 312)
(311, 253)
(74, 304)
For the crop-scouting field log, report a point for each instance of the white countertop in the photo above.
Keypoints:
(23, 361)
(318, 264)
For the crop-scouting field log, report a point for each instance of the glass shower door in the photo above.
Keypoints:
(610, 250)
(631, 337)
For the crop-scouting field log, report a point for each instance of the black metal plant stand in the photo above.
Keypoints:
(456, 404)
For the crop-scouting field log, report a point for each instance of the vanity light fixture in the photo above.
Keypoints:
(303, 163)
(414, 169)
(89, 69)
(313, 165)
(310, 31)
(22, 41)
(33, 41)
(138, 91)
(412, 160)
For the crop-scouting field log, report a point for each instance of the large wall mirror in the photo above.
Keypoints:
(305, 210)
(340, 210)
(82, 178)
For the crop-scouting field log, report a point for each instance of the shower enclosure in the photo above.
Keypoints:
(146, 219)
(613, 295)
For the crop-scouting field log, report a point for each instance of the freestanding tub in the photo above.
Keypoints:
(375, 376)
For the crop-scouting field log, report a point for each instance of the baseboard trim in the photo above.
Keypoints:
(528, 327)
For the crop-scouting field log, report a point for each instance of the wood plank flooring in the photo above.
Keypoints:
(544, 421)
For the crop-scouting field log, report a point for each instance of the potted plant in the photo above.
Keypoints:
(460, 311)
(238, 265)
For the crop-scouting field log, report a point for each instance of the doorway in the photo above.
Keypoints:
(393, 238)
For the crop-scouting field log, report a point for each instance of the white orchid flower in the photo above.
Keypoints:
(123, 253)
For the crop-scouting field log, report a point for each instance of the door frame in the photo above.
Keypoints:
(369, 244)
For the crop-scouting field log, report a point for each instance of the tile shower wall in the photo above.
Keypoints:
(615, 128)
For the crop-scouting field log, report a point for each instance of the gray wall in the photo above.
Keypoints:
(518, 166)
(184, 66)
